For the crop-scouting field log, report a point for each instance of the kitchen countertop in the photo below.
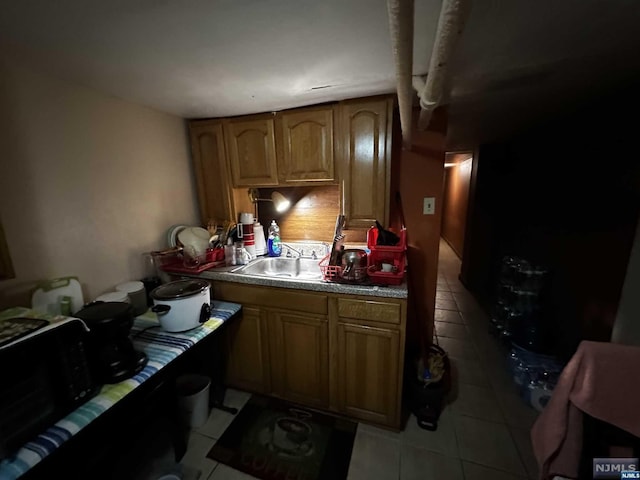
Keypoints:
(225, 274)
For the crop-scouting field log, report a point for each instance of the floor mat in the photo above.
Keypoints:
(272, 440)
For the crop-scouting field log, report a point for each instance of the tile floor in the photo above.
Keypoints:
(483, 433)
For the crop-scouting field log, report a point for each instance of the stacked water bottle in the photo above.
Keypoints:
(518, 321)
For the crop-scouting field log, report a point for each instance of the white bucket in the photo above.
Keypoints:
(193, 398)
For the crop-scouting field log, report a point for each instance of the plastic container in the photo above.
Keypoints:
(384, 254)
(274, 249)
(193, 399)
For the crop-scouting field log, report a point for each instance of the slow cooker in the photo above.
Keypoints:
(182, 305)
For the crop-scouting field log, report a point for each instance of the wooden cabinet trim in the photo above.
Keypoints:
(376, 311)
(269, 297)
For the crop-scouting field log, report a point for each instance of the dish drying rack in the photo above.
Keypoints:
(175, 261)
(330, 271)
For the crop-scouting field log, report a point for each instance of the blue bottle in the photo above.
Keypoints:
(273, 243)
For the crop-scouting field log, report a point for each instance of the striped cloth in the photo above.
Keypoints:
(161, 348)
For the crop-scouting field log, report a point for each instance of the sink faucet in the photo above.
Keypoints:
(289, 248)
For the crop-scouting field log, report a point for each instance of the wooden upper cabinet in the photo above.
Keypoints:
(365, 150)
(252, 151)
(305, 145)
(211, 171)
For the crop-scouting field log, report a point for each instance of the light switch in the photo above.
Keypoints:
(429, 206)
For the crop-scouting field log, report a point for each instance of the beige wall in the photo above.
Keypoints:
(88, 183)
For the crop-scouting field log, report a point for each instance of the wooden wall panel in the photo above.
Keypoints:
(456, 200)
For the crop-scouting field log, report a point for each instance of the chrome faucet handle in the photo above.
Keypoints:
(289, 253)
(313, 255)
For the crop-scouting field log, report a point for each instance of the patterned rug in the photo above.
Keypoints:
(274, 440)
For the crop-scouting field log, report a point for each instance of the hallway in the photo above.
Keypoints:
(489, 420)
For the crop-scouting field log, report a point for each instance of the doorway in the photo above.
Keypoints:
(457, 180)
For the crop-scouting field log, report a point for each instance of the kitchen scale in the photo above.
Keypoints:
(13, 328)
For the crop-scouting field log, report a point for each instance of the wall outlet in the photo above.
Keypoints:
(429, 206)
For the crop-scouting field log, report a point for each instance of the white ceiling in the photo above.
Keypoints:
(207, 58)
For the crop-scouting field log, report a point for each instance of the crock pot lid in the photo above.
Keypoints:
(104, 312)
(179, 289)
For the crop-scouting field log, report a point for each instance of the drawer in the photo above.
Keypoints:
(285, 298)
(373, 310)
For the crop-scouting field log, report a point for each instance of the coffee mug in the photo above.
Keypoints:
(387, 267)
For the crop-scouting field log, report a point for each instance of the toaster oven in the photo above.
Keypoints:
(45, 375)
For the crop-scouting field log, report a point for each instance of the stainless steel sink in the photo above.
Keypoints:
(283, 267)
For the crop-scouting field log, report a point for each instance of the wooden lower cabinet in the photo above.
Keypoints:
(368, 361)
(247, 358)
(342, 353)
(299, 358)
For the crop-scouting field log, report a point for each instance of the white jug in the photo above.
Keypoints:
(261, 243)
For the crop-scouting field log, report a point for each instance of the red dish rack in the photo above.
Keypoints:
(380, 254)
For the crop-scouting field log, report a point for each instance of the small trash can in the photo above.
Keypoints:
(425, 399)
(193, 399)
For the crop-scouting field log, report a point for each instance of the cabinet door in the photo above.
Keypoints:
(368, 373)
(252, 150)
(300, 361)
(248, 358)
(365, 138)
(211, 171)
(305, 146)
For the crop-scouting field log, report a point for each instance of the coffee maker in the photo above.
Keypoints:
(112, 354)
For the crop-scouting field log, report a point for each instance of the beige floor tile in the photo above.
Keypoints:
(522, 438)
(443, 440)
(487, 443)
(420, 464)
(381, 432)
(475, 318)
(456, 285)
(473, 471)
(374, 456)
(447, 316)
(196, 455)
(458, 348)
(217, 423)
(442, 286)
(223, 472)
(236, 398)
(446, 304)
(442, 295)
(452, 330)
(468, 372)
(516, 412)
(478, 402)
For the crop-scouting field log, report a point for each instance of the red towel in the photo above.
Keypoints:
(601, 380)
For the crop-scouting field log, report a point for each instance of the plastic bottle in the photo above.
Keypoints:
(273, 244)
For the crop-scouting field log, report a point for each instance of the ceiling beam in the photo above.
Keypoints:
(401, 28)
